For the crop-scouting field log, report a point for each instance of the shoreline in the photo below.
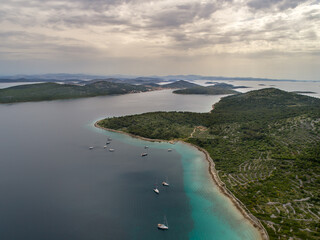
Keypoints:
(255, 222)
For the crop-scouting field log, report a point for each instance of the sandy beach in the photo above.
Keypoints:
(215, 177)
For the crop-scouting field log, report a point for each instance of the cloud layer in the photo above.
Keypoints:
(124, 36)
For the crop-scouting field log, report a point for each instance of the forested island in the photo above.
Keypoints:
(54, 91)
(266, 148)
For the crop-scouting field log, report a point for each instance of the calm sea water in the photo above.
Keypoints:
(53, 187)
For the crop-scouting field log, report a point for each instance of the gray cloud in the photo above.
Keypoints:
(150, 29)
(278, 4)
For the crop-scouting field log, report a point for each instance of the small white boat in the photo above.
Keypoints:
(156, 190)
(109, 139)
(165, 184)
(164, 225)
(146, 147)
(111, 150)
(105, 146)
(169, 150)
(90, 148)
(144, 154)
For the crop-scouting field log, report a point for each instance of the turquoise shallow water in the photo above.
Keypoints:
(213, 214)
(53, 187)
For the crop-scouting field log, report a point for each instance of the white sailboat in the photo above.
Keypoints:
(169, 150)
(164, 225)
(90, 148)
(111, 150)
(156, 190)
(165, 183)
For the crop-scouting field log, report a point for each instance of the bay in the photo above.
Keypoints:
(53, 187)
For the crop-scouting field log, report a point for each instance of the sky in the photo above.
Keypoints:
(234, 38)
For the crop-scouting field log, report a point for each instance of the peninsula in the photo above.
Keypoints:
(265, 147)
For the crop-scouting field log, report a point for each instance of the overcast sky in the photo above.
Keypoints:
(256, 38)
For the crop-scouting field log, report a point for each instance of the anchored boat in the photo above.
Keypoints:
(164, 225)
(156, 190)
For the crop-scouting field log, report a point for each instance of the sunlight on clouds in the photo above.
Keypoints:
(184, 31)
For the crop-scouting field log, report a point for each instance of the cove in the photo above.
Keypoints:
(213, 214)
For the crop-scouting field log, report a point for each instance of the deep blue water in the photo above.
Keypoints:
(53, 187)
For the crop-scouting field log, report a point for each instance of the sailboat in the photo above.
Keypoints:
(90, 148)
(146, 147)
(156, 190)
(111, 150)
(165, 183)
(169, 150)
(164, 225)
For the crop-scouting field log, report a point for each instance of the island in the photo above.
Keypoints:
(67, 90)
(217, 89)
(54, 91)
(305, 92)
(263, 149)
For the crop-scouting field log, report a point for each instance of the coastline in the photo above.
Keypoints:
(255, 222)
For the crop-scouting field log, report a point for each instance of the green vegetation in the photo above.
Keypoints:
(211, 90)
(179, 84)
(52, 91)
(266, 146)
(217, 89)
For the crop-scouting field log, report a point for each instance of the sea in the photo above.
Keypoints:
(53, 187)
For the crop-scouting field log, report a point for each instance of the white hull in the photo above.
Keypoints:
(162, 226)
(165, 184)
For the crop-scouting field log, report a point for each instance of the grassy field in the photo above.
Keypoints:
(266, 147)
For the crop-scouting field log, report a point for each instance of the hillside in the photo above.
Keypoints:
(211, 90)
(53, 91)
(179, 84)
(266, 147)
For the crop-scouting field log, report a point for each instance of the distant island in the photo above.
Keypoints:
(54, 91)
(265, 145)
(304, 92)
(125, 78)
(93, 88)
(217, 89)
